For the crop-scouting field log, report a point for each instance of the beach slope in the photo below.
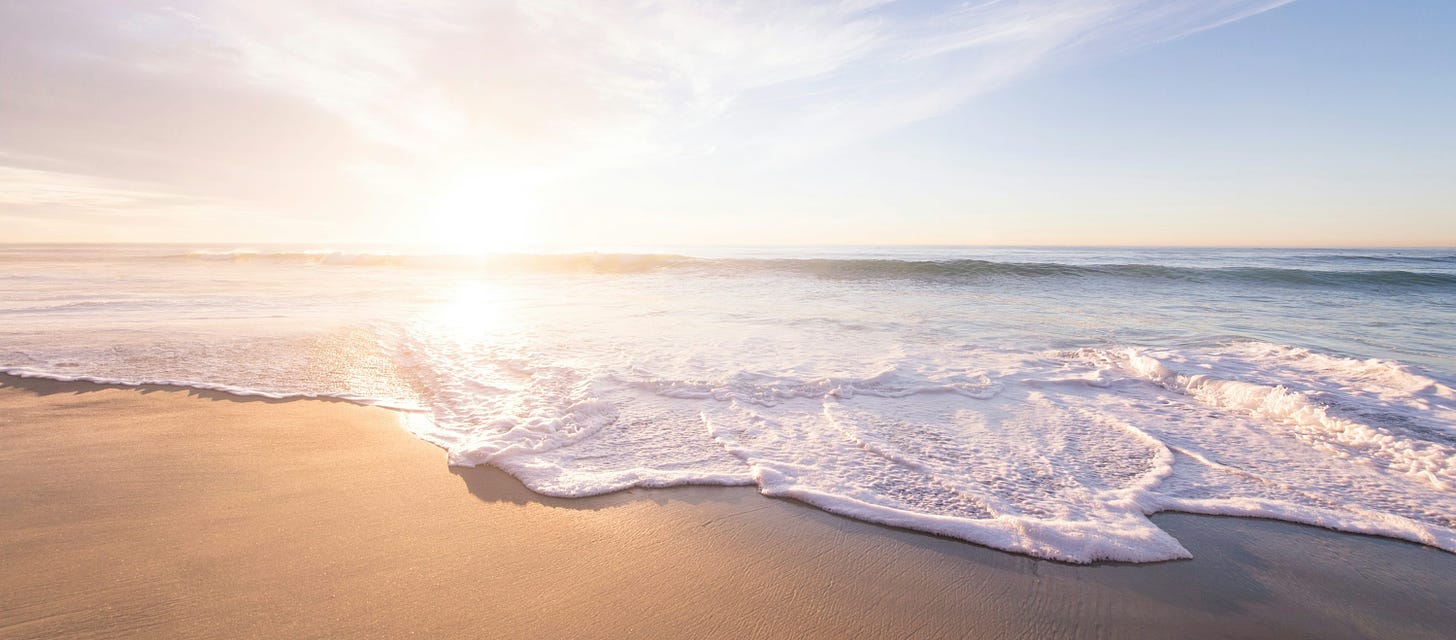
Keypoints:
(160, 512)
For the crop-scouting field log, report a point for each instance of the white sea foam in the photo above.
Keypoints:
(1060, 456)
(979, 399)
(1315, 423)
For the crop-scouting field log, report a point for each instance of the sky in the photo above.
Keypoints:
(489, 124)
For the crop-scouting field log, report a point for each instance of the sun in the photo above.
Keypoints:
(484, 212)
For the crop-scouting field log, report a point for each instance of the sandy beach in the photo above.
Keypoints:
(160, 512)
(728, 319)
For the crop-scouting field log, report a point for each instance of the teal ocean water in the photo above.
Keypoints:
(1037, 400)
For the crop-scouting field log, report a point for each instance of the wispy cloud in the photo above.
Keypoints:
(449, 73)
(587, 78)
(278, 102)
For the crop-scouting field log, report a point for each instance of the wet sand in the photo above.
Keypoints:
(160, 512)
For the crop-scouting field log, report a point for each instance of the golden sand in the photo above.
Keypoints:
(172, 513)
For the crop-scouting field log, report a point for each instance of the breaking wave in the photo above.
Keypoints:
(852, 269)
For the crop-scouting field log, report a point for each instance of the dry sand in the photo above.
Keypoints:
(170, 513)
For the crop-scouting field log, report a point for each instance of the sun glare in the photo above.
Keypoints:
(484, 213)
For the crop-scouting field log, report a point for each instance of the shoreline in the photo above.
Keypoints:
(159, 510)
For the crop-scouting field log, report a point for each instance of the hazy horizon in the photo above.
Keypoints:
(323, 244)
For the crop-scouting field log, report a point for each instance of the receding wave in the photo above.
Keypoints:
(26, 373)
(835, 269)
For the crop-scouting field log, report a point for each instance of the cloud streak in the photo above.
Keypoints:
(304, 98)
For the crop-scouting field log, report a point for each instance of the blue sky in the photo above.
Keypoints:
(1322, 122)
(490, 124)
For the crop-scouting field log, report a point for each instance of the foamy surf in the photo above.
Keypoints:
(1034, 402)
(1064, 460)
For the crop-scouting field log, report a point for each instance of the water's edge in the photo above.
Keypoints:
(26, 379)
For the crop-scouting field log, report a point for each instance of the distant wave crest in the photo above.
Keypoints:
(529, 262)
(835, 269)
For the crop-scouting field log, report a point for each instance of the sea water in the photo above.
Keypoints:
(1037, 400)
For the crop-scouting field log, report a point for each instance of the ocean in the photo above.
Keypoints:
(1042, 401)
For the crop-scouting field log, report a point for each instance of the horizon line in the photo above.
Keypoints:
(528, 248)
